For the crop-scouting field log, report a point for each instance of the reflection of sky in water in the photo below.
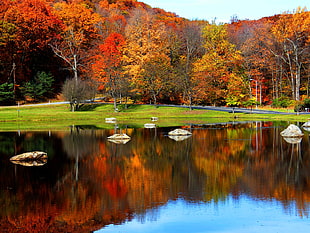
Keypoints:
(243, 216)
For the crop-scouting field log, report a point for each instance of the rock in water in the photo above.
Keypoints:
(292, 131)
(306, 125)
(179, 132)
(119, 138)
(30, 159)
(29, 156)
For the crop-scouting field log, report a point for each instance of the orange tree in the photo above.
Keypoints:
(27, 26)
(107, 67)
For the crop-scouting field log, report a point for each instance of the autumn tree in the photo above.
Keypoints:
(146, 40)
(191, 50)
(292, 36)
(156, 76)
(250, 38)
(79, 33)
(219, 66)
(26, 29)
(108, 68)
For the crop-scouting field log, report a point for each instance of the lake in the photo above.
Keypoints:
(230, 177)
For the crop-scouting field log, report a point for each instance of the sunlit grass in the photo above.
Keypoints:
(53, 117)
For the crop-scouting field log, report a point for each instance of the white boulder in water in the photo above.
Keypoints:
(119, 138)
(179, 132)
(292, 131)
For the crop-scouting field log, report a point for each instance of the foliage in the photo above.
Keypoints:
(156, 76)
(108, 66)
(77, 36)
(7, 32)
(282, 102)
(233, 101)
(146, 41)
(302, 105)
(219, 69)
(113, 42)
(6, 93)
(250, 103)
(40, 87)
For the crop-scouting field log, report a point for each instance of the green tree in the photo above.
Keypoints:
(6, 93)
(40, 87)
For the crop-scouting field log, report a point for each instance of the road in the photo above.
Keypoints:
(239, 110)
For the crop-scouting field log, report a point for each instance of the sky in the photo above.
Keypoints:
(223, 10)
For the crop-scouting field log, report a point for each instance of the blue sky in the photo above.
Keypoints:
(222, 10)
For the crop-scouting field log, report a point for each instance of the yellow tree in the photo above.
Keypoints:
(156, 76)
(219, 66)
(145, 40)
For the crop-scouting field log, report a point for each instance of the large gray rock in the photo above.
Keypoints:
(292, 131)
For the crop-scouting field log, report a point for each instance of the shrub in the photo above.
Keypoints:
(77, 91)
(302, 105)
(250, 103)
(282, 102)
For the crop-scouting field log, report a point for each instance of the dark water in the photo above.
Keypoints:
(224, 178)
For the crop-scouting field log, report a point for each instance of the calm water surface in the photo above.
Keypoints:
(224, 178)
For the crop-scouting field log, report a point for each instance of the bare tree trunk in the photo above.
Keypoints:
(114, 103)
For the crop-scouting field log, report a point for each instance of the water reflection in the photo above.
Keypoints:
(89, 182)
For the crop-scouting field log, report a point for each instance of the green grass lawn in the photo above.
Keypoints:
(52, 117)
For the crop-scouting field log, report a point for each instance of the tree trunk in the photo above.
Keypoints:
(114, 103)
(75, 68)
(155, 100)
(190, 102)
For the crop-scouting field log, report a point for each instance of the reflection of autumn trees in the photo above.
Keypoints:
(281, 172)
(116, 182)
(219, 154)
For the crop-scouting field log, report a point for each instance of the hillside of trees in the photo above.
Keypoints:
(127, 50)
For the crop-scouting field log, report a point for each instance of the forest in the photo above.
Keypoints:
(127, 51)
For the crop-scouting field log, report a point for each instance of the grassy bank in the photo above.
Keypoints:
(51, 117)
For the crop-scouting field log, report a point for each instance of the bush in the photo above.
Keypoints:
(302, 105)
(77, 91)
(282, 102)
(307, 103)
(250, 103)
(299, 107)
